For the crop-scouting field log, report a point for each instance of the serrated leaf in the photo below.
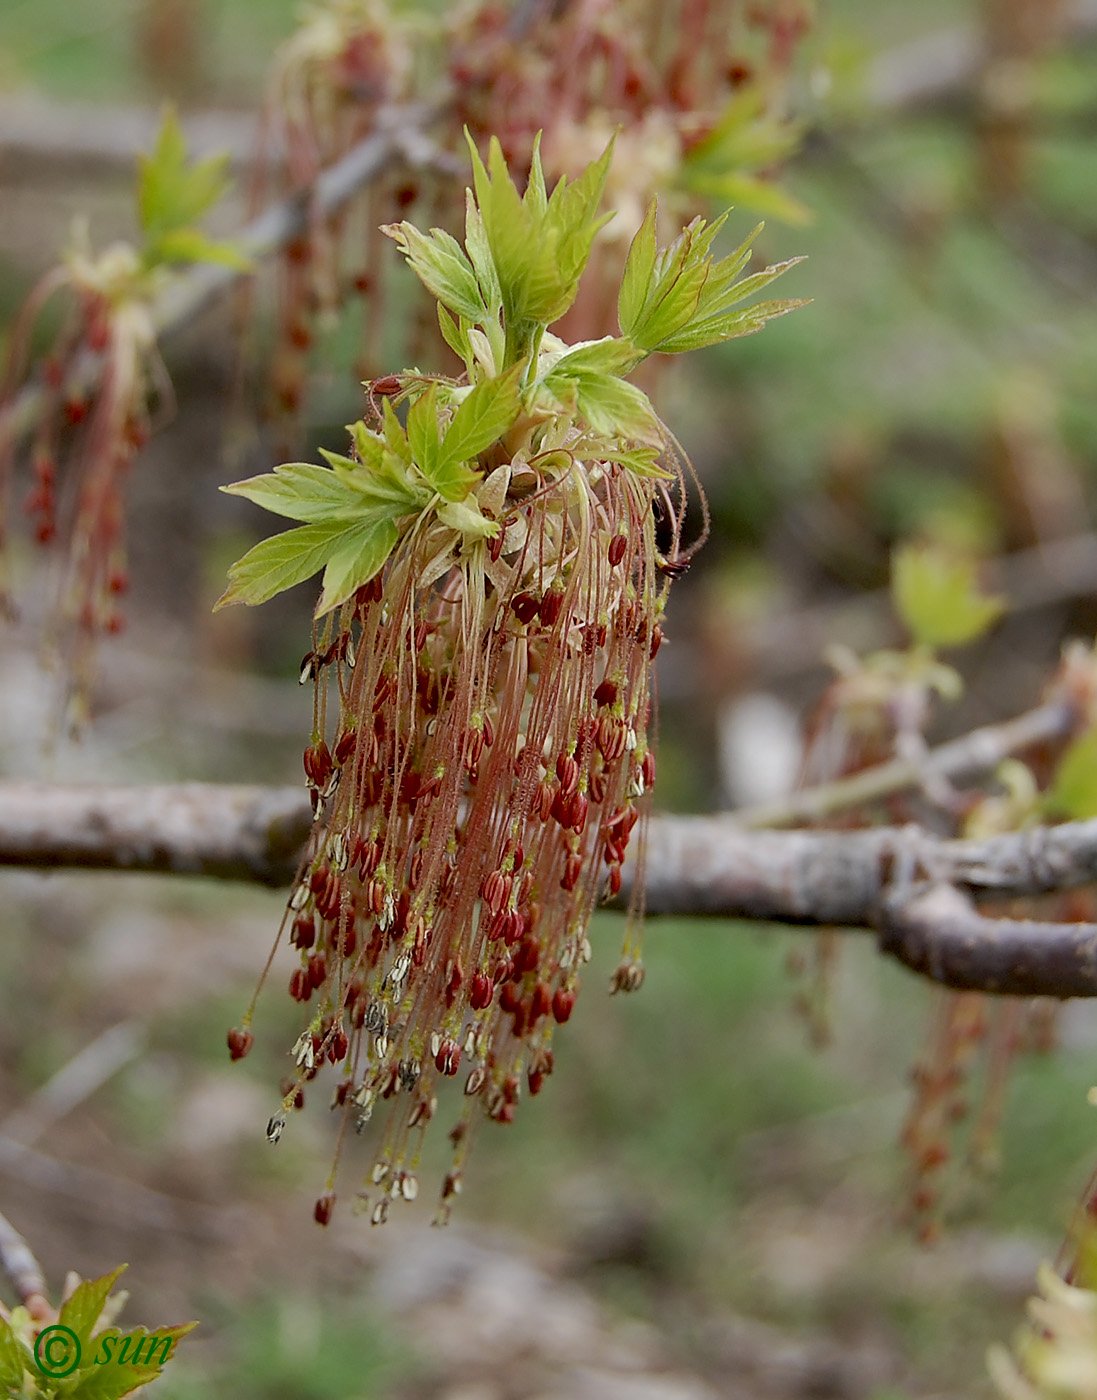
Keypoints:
(639, 266)
(454, 335)
(299, 491)
(82, 1310)
(607, 356)
(482, 417)
(479, 251)
(122, 1362)
(720, 328)
(395, 436)
(170, 193)
(938, 596)
(641, 461)
(1073, 790)
(424, 434)
(359, 555)
(280, 562)
(439, 262)
(380, 485)
(191, 245)
(614, 407)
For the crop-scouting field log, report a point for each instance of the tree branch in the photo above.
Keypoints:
(24, 1271)
(874, 880)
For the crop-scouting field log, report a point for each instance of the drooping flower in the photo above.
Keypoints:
(496, 568)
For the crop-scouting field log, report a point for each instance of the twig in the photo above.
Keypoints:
(74, 1082)
(975, 753)
(24, 1270)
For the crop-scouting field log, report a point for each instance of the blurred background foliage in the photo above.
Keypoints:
(729, 1197)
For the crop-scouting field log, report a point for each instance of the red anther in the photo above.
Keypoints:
(321, 1211)
(118, 582)
(319, 878)
(528, 955)
(536, 1079)
(656, 642)
(580, 806)
(617, 547)
(375, 896)
(363, 284)
(239, 1042)
(614, 885)
(298, 251)
(318, 765)
(369, 860)
(526, 607)
(45, 532)
(400, 916)
(300, 987)
(510, 998)
(518, 1027)
(611, 737)
(448, 1058)
(415, 873)
(551, 604)
(934, 1156)
(341, 1092)
(344, 746)
(420, 945)
(348, 941)
(504, 971)
(317, 969)
(407, 194)
(387, 385)
(304, 931)
(299, 335)
(481, 990)
(606, 693)
(115, 623)
(563, 1003)
(567, 771)
(339, 1046)
(540, 1003)
(489, 732)
(561, 809)
(510, 1089)
(76, 410)
(330, 897)
(647, 769)
(352, 993)
(513, 926)
(622, 822)
(495, 546)
(453, 986)
(573, 868)
(546, 796)
(597, 786)
(474, 747)
(495, 890)
(289, 398)
(504, 1113)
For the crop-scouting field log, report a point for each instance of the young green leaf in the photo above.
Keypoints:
(377, 485)
(300, 491)
(359, 554)
(15, 1360)
(170, 193)
(714, 331)
(938, 596)
(443, 268)
(121, 1362)
(83, 1309)
(614, 407)
(482, 417)
(639, 268)
(191, 245)
(424, 434)
(277, 563)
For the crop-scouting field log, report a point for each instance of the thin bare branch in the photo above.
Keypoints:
(973, 754)
(23, 1269)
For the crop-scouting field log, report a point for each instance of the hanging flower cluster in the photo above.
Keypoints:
(495, 571)
(89, 428)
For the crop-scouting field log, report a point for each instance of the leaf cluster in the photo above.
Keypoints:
(102, 1372)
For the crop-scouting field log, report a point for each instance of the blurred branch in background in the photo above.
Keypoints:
(23, 1270)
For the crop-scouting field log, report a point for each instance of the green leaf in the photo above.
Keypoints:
(1073, 791)
(467, 517)
(455, 336)
(750, 192)
(82, 1310)
(479, 251)
(15, 1360)
(170, 194)
(639, 267)
(300, 491)
(275, 564)
(938, 596)
(359, 555)
(698, 334)
(482, 417)
(614, 407)
(379, 485)
(424, 434)
(641, 461)
(191, 245)
(395, 436)
(606, 356)
(443, 268)
(111, 1371)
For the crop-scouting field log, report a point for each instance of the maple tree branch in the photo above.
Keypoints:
(874, 880)
(23, 1270)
